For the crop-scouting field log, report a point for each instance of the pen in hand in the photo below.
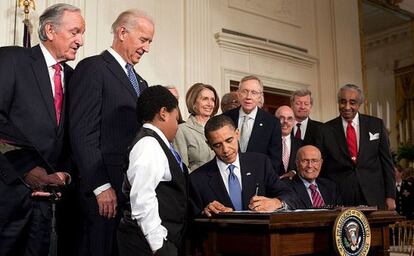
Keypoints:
(257, 189)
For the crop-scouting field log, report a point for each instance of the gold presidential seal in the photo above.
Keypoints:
(352, 234)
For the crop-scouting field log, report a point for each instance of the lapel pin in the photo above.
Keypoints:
(260, 124)
(248, 174)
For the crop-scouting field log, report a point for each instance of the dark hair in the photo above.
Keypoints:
(217, 122)
(152, 100)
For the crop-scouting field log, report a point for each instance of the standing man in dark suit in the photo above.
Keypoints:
(312, 190)
(356, 153)
(305, 128)
(290, 144)
(404, 194)
(259, 131)
(33, 84)
(102, 115)
(233, 181)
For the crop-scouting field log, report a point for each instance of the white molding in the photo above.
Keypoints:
(265, 48)
(389, 36)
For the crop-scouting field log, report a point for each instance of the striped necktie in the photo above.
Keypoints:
(133, 78)
(317, 200)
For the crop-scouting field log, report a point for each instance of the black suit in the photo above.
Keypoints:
(311, 132)
(327, 188)
(103, 122)
(295, 144)
(206, 183)
(28, 118)
(405, 199)
(371, 179)
(266, 136)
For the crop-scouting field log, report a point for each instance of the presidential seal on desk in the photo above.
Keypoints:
(352, 234)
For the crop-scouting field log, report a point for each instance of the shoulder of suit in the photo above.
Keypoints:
(325, 181)
(252, 156)
(202, 170)
(314, 122)
(14, 51)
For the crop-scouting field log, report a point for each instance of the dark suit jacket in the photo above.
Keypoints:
(328, 189)
(311, 132)
(373, 173)
(206, 183)
(266, 136)
(102, 121)
(295, 144)
(27, 112)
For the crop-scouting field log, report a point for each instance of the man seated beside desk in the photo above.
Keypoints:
(233, 181)
(311, 190)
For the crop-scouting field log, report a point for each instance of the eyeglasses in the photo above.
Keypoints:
(254, 93)
(289, 119)
(310, 161)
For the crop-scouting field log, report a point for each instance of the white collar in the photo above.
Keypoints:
(50, 61)
(158, 131)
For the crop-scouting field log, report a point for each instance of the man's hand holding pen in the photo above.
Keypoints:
(264, 204)
(214, 208)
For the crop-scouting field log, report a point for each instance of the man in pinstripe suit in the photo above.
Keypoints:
(102, 124)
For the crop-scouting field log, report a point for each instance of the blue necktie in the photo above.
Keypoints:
(177, 156)
(133, 78)
(234, 189)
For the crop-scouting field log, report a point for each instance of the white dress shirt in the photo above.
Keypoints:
(50, 61)
(148, 166)
(303, 126)
(224, 172)
(355, 124)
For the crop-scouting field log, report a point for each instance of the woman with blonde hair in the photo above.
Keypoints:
(202, 103)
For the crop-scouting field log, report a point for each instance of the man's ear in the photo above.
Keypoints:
(163, 113)
(121, 33)
(49, 31)
(237, 134)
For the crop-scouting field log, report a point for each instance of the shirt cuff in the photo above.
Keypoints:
(101, 189)
(156, 238)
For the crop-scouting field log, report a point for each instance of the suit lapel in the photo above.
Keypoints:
(248, 181)
(119, 73)
(41, 74)
(325, 193)
(339, 134)
(363, 136)
(302, 193)
(257, 127)
(217, 185)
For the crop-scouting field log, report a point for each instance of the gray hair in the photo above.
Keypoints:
(53, 15)
(129, 19)
(301, 93)
(251, 77)
(352, 87)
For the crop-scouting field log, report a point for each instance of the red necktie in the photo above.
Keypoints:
(57, 79)
(317, 200)
(351, 140)
(298, 134)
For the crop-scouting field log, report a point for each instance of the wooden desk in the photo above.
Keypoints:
(294, 233)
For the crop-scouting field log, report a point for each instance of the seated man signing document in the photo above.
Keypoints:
(233, 180)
